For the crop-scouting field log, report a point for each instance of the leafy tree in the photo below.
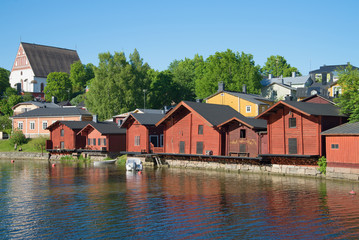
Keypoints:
(234, 69)
(9, 91)
(80, 75)
(17, 137)
(348, 101)
(59, 86)
(8, 103)
(5, 124)
(278, 66)
(4, 79)
(76, 100)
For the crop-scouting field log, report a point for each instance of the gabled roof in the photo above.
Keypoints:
(51, 112)
(104, 128)
(344, 129)
(46, 59)
(140, 110)
(259, 124)
(64, 103)
(286, 80)
(38, 104)
(328, 99)
(74, 125)
(316, 109)
(330, 68)
(215, 114)
(143, 118)
(282, 85)
(254, 98)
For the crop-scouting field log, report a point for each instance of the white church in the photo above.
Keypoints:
(34, 62)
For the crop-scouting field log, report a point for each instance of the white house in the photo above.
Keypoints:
(34, 62)
(277, 91)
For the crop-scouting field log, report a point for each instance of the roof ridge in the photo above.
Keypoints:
(41, 45)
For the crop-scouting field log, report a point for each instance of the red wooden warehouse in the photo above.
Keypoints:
(342, 144)
(104, 136)
(294, 127)
(142, 134)
(63, 135)
(200, 128)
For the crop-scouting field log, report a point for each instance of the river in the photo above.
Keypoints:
(70, 201)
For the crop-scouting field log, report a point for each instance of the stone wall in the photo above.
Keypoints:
(343, 173)
(24, 155)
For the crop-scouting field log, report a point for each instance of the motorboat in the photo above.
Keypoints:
(134, 164)
(104, 162)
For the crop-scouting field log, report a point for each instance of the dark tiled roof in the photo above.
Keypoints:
(108, 128)
(147, 118)
(330, 68)
(345, 129)
(286, 80)
(317, 109)
(217, 114)
(46, 59)
(75, 125)
(154, 111)
(327, 98)
(64, 103)
(42, 112)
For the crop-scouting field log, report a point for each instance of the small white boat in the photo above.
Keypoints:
(134, 164)
(104, 162)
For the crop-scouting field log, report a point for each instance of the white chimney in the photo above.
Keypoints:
(270, 76)
(293, 74)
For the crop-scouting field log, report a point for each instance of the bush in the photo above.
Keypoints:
(322, 163)
(39, 143)
(17, 137)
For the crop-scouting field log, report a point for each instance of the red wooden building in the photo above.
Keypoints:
(318, 99)
(63, 135)
(200, 128)
(342, 145)
(294, 127)
(142, 134)
(104, 136)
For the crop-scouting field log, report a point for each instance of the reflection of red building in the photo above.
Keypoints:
(142, 134)
(104, 136)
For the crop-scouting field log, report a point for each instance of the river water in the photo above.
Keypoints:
(38, 201)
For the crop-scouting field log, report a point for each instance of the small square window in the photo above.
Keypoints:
(248, 109)
(335, 146)
(292, 122)
(200, 129)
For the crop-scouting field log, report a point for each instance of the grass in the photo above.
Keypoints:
(121, 161)
(6, 146)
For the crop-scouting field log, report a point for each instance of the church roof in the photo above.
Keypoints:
(46, 59)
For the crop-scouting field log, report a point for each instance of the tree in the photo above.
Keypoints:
(80, 75)
(4, 79)
(234, 69)
(278, 66)
(348, 101)
(59, 86)
(5, 124)
(8, 103)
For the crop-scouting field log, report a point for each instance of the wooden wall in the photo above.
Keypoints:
(136, 129)
(347, 153)
(71, 139)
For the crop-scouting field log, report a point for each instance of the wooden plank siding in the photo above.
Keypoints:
(347, 153)
(70, 138)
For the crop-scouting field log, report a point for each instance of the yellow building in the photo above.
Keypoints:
(334, 90)
(249, 105)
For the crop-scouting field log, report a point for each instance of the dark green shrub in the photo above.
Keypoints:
(17, 137)
(322, 163)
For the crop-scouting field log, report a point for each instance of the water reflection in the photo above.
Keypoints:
(71, 201)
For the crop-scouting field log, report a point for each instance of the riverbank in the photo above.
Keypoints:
(24, 155)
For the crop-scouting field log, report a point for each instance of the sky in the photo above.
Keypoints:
(308, 34)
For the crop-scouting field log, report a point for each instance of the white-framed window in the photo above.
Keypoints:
(137, 140)
(44, 125)
(20, 125)
(248, 109)
(32, 125)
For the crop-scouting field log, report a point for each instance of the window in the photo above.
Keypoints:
(292, 145)
(182, 147)
(44, 125)
(62, 145)
(32, 125)
(62, 132)
(242, 148)
(119, 122)
(94, 141)
(200, 129)
(99, 141)
(199, 149)
(292, 122)
(242, 133)
(154, 140)
(335, 146)
(248, 109)
(20, 125)
(161, 140)
(104, 141)
(89, 141)
(137, 140)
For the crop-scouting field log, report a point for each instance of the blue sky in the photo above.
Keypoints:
(307, 33)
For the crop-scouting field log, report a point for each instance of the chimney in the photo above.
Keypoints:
(220, 86)
(94, 118)
(270, 76)
(198, 100)
(324, 78)
(282, 81)
(54, 99)
(244, 86)
(293, 74)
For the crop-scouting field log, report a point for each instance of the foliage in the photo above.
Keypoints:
(8, 103)
(118, 84)
(4, 79)
(234, 69)
(278, 66)
(322, 163)
(76, 100)
(27, 97)
(122, 160)
(348, 101)
(80, 75)
(58, 85)
(5, 124)
(17, 137)
(9, 92)
(39, 143)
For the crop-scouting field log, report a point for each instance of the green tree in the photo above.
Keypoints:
(278, 66)
(59, 86)
(4, 79)
(80, 75)
(5, 124)
(76, 100)
(348, 101)
(234, 69)
(8, 103)
(17, 137)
